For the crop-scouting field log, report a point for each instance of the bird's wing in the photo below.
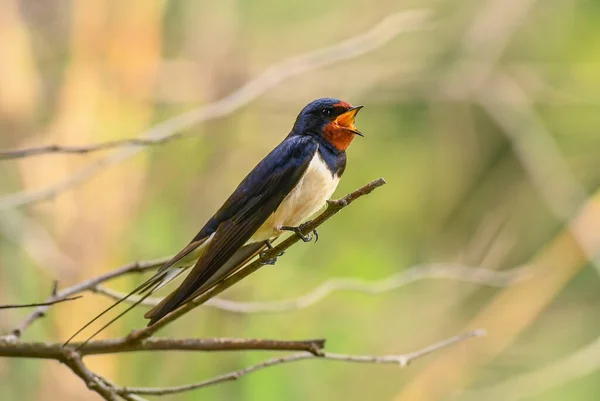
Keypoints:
(255, 199)
(239, 259)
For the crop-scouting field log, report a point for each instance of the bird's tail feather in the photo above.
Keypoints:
(136, 303)
(147, 288)
(176, 298)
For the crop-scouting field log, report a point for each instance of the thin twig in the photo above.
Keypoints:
(399, 360)
(47, 303)
(333, 207)
(420, 272)
(376, 37)
(40, 350)
(135, 267)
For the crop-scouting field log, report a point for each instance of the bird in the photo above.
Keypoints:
(283, 190)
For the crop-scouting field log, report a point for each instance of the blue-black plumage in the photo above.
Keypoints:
(284, 189)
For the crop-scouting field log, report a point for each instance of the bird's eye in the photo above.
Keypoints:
(327, 112)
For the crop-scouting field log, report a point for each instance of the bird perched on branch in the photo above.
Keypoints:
(289, 185)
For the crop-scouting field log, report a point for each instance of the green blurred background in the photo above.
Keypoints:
(483, 119)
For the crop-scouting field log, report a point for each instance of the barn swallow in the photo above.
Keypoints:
(288, 186)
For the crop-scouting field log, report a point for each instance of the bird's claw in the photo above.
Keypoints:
(313, 232)
(298, 231)
(264, 260)
(267, 261)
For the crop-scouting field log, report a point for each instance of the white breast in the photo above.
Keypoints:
(308, 196)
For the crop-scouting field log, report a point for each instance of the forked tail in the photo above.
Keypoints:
(145, 289)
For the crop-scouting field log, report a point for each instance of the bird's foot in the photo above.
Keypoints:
(298, 231)
(264, 259)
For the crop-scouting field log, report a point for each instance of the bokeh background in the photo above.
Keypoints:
(483, 117)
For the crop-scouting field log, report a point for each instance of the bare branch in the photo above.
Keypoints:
(135, 267)
(416, 273)
(400, 360)
(376, 37)
(333, 207)
(48, 303)
(40, 350)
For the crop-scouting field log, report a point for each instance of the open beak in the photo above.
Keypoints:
(346, 120)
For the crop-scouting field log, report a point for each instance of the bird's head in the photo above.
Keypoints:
(331, 120)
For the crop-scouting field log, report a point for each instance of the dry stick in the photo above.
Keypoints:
(135, 267)
(333, 207)
(395, 281)
(40, 350)
(400, 360)
(373, 39)
(47, 303)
